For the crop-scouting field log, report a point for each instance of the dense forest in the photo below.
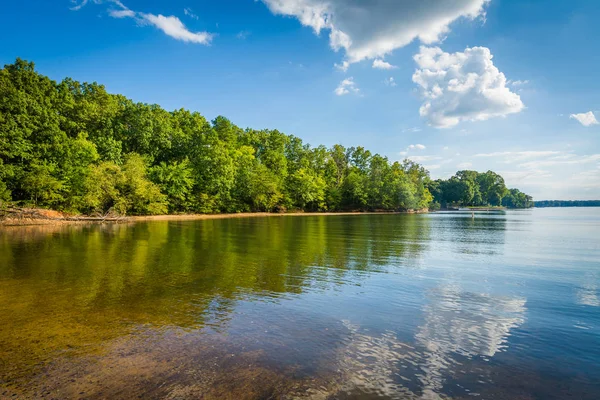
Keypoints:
(567, 203)
(74, 147)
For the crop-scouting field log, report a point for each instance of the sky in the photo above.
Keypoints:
(505, 85)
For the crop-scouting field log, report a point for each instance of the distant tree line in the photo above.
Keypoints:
(476, 189)
(567, 203)
(72, 146)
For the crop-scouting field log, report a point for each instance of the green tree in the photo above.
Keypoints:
(175, 180)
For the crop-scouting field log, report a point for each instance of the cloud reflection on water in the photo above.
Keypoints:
(457, 325)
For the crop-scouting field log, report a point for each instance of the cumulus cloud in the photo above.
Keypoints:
(585, 119)
(413, 147)
(170, 25)
(347, 86)
(462, 86)
(372, 29)
(380, 64)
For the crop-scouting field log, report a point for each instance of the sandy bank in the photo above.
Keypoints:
(48, 217)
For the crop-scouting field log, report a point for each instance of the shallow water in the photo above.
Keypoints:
(502, 306)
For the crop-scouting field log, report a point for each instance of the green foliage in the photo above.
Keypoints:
(124, 190)
(176, 181)
(307, 190)
(41, 184)
(516, 199)
(75, 147)
(472, 188)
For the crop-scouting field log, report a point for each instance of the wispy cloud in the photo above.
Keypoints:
(242, 35)
(169, 25)
(121, 13)
(414, 129)
(172, 26)
(188, 12)
(555, 161)
(518, 83)
(347, 86)
(420, 159)
(465, 165)
(512, 156)
(390, 82)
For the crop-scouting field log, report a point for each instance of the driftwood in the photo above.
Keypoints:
(16, 214)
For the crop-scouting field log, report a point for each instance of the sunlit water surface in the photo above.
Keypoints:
(500, 306)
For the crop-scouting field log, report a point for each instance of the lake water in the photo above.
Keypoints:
(500, 306)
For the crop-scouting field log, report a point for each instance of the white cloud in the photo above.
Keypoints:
(380, 64)
(372, 29)
(412, 130)
(190, 13)
(121, 13)
(343, 66)
(462, 86)
(586, 119)
(465, 165)
(78, 4)
(413, 147)
(390, 82)
(170, 25)
(420, 159)
(513, 156)
(519, 83)
(554, 161)
(431, 167)
(346, 86)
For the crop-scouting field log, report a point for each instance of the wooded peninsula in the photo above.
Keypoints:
(73, 147)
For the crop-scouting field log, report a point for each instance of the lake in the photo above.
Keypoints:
(504, 305)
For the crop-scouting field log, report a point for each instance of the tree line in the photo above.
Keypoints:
(75, 147)
(568, 203)
(473, 189)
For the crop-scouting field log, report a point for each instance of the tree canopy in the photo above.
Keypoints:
(75, 147)
(475, 189)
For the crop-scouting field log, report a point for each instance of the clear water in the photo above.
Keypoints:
(500, 306)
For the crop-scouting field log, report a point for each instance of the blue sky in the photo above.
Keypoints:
(507, 85)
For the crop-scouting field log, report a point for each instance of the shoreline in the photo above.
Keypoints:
(69, 220)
